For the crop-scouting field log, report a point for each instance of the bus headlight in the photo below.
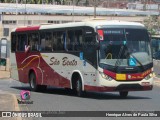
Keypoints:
(104, 75)
(110, 79)
(148, 76)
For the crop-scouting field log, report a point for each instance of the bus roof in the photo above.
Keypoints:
(91, 23)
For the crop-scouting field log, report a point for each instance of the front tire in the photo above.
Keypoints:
(79, 91)
(123, 94)
(32, 82)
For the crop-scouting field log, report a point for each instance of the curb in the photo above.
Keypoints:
(16, 106)
(4, 78)
(15, 103)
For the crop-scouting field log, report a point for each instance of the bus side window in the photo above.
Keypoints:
(42, 41)
(22, 41)
(70, 39)
(13, 43)
(60, 40)
(33, 41)
(78, 42)
(48, 41)
(54, 41)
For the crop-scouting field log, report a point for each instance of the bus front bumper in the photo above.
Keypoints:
(121, 87)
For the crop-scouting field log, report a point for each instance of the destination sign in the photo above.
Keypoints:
(113, 32)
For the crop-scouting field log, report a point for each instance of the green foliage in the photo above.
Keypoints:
(152, 23)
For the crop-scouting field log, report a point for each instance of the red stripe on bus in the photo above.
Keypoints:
(27, 29)
(129, 77)
(109, 73)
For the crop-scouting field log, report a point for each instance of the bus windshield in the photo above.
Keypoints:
(119, 45)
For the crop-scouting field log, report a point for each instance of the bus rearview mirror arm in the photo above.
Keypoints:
(97, 46)
(150, 35)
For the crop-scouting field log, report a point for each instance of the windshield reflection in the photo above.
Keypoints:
(121, 44)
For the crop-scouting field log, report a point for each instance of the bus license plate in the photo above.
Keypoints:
(120, 76)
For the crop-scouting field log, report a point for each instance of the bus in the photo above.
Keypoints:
(155, 42)
(93, 55)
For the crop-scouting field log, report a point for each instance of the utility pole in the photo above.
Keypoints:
(16, 6)
(25, 13)
(95, 4)
(144, 7)
(73, 12)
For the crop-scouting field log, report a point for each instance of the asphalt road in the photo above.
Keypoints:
(55, 99)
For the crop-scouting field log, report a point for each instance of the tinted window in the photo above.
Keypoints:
(46, 41)
(22, 41)
(13, 43)
(74, 40)
(33, 41)
(70, 40)
(61, 36)
(78, 42)
(54, 41)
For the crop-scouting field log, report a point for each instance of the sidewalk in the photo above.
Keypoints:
(156, 81)
(4, 74)
(8, 102)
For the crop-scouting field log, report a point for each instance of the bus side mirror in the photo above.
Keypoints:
(96, 35)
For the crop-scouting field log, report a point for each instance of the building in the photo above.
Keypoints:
(13, 15)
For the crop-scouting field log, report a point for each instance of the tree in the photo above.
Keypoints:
(35, 1)
(152, 23)
(86, 3)
(58, 2)
(77, 2)
(2, 1)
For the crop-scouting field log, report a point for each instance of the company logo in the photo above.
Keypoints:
(25, 97)
(65, 61)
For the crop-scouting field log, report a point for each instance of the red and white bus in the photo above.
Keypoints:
(95, 55)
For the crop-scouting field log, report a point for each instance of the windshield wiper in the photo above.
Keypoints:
(137, 61)
(118, 62)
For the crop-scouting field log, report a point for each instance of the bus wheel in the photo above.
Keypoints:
(123, 94)
(79, 87)
(32, 82)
